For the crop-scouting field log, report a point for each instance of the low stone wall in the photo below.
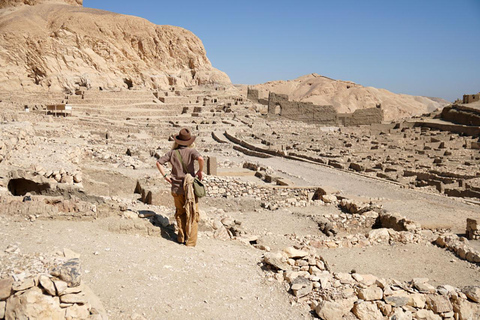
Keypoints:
(459, 246)
(335, 295)
(270, 197)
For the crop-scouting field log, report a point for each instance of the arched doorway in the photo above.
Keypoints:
(278, 109)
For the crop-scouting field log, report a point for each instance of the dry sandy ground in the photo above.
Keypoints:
(430, 210)
(159, 279)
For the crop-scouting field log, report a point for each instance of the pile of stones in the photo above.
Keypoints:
(460, 246)
(60, 175)
(335, 295)
(32, 207)
(47, 288)
(380, 236)
(116, 158)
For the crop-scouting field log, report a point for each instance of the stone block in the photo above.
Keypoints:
(370, 293)
(70, 272)
(212, 166)
(472, 292)
(473, 229)
(3, 305)
(301, 286)
(5, 289)
(153, 193)
(32, 304)
(367, 311)
(439, 304)
(334, 310)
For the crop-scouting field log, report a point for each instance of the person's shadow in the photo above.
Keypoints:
(167, 229)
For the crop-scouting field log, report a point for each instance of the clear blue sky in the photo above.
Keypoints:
(418, 47)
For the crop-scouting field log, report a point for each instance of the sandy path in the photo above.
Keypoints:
(158, 278)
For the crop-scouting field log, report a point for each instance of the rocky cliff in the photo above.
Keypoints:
(346, 96)
(59, 45)
(14, 3)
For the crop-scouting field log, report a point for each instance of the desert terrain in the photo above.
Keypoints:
(301, 220)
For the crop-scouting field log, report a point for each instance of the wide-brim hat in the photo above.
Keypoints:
(184, 137)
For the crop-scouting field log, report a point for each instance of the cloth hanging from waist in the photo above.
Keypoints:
(190, 207)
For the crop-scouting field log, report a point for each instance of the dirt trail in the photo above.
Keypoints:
(159, 279)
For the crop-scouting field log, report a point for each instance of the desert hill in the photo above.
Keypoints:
(60, 45)
(348, 96)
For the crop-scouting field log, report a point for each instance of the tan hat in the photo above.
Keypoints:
(184, 137)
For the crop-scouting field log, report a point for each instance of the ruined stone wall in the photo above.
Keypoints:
(469, 98)
(462, 115)
(361, 117)
(252, 94)
(279, 104)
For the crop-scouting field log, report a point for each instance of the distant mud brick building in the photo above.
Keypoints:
(280, 105)
(59, 109)
(461, 114)
(469, 98)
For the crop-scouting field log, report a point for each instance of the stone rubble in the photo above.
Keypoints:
(336, 295)
(459, 246)
(45, 287)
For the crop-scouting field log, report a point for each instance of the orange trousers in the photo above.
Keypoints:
(181, 217)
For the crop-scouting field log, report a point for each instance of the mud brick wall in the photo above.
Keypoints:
(362, 117)
(462, 115)
(279, 104)
(301, 111)
(252, 94)
(469, 98)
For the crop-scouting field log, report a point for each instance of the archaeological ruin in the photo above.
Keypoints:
(279, 105)
(313, 211)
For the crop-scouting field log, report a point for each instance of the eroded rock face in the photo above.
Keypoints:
(14, 3)
(51, 46)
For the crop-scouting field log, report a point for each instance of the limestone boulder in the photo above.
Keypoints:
(472, 292)
(70, 272)
(370, 293)
(277, 260)
(379, 235)
(301, 286)
(3, 304)
(466, 310)
(424, 314)
(294, 253)
(333, 310)
(439, 304)
(32, 304)
(5, 288)
(367, 311)
(47, 284)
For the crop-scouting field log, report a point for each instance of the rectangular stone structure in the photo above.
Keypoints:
(473, 229)
(212, 166)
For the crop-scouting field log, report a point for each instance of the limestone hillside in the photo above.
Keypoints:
(348, 96)
(60, 46)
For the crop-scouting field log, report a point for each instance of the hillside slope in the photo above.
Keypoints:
(348, 96)
(58, 45)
